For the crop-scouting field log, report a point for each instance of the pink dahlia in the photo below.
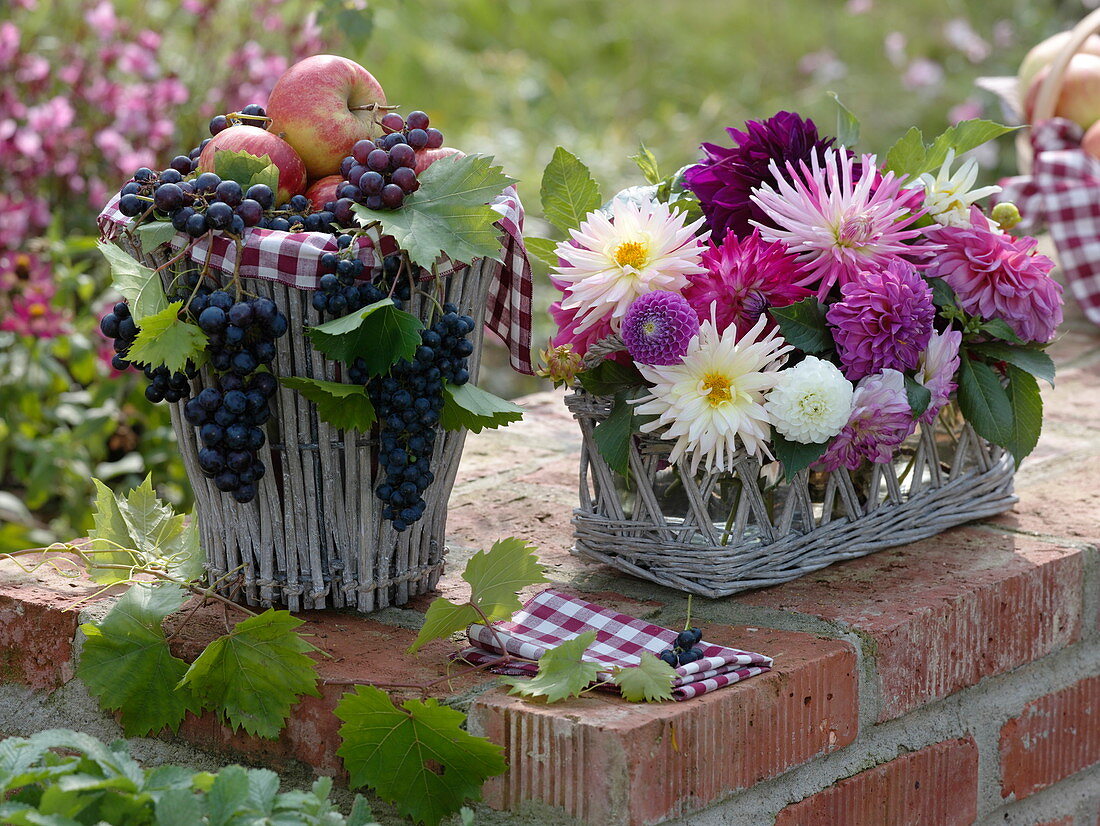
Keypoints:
(996, 275)
(938, 365)
(842, 217)
(744, 277)
(658, 328)
(884, 320)
(880, 421)
(569, 324)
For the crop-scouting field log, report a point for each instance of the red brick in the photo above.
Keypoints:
(936, 786)
(1054, 737)
(616, 764)
(943, 614)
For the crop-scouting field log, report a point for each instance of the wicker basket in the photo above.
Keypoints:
(729, 532)
(314, 536)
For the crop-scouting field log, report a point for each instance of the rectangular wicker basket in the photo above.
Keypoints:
(314, 536)
(715, 534)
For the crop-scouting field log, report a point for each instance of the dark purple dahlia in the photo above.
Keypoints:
(726, 176)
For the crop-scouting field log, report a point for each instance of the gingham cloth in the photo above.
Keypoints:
(293, 258)
(551, 618)
(1063, 192)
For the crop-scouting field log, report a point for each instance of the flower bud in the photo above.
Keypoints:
(1006, 215)
(560, 364)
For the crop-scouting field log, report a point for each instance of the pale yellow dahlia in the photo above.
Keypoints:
(713, 398)
(610, 261)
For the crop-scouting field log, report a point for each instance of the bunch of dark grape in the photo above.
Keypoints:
(164, 384)
(686, 649)
(340, 290)
(240, 332)
(379, 174)
(408, 403)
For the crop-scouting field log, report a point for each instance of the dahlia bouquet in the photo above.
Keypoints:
(795, 299)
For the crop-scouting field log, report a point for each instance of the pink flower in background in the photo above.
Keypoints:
(996, 275)
(880, 421)
(884, 320)
(840, 219)
(26, 298)
(938, 365)
(923, 74)
(743, 279)
(960, 34)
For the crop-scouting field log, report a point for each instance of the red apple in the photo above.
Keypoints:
(1043, 54)
(426, 157)
(1079, 98)
(259, 142)
(322, 191)
(1091, 142)
(322, 105)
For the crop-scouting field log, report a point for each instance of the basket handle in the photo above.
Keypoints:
(1052, 84)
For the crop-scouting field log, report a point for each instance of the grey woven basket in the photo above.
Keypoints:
(715, 534)
(314, 536)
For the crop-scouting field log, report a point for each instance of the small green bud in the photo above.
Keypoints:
(1006, 215)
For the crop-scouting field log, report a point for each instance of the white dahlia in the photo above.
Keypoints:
(947, 196)
(610, 261)
(714, 397)
(811, 402)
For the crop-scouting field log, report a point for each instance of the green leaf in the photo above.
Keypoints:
(128, 667)
(178, 807)
(918, 395)
(942, 294)
(361, 814)
(998, 328)
(443, 619)
(911, 157)
(613, 435)
(380, 334)
(417, 756)
(496, 575)
(448, 214)
(1027, 413)
(803, 325)
(847, 124)
(254, 674)
(155, 234)
(983, 401)
(907, 154)
(610, 377)
(227, 796)
(138, 284)
(344, 406)
(649, 681)
(110, 531)
(246, 169)
(796, 456)
(543, 249)
(468, 406)
(647, 163)
(562, 673)
(1031, 359)
(165, 340)
(568, 191)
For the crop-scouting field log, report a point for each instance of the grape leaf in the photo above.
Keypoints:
(1035, 361)
(417, 756)
(380, 334)
(128, 667)
(254, 674)
(246, 169)
(803, 325)
(651, 680)
(614, 434)
(443, 619)
(138, 284)
(543, 249)
(155, 233)
(796, 456)
(568, 191)
(110, 531)
(164, 339)
(1027, 412)
(475, 409)
(495, 576)
(983, 401)
(449, 214)
(562, 672)
(345, 406)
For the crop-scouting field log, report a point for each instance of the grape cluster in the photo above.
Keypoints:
(379, 174)
(230, 418)
(686, 649)
(195, 206)
(339, 290)
(408, 403)
(164, 384)
(240, 332)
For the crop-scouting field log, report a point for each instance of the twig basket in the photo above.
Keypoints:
(729, 532)
(314, 536)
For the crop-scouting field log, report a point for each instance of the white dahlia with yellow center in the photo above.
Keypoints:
(713, 399)
(949, 195)
(610, 261)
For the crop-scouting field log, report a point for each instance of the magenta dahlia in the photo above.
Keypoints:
(884, 320)
(996, 275)
(726, 176)
(658, 327)
(744, 277)
(881, 419)
(569, 320)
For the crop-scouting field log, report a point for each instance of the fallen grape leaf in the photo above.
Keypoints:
(495, 576)
(344, 406)
(650, 681)
(562, 672)
(417, 756)
(164, 339)
(443, 619)
(468, 406)
(138, 284)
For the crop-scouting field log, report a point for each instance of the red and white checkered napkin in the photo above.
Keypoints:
(294, 258)
(551, 618)
(1063, 192)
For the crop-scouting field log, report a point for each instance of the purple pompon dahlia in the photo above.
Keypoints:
(658, 327)
(744, 277)
(726, 176)
(881, 419)
(883, 321)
